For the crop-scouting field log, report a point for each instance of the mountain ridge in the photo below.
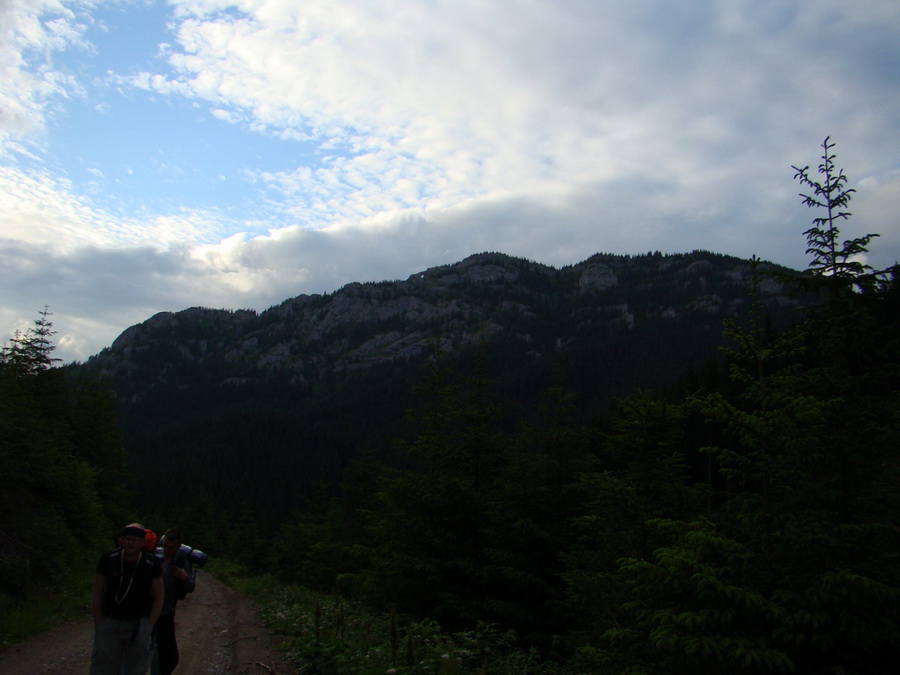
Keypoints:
(434, 302)
(270, 405)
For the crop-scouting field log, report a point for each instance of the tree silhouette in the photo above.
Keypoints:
(840, 264)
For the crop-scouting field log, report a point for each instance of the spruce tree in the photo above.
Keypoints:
(792, 569)
(57, 442)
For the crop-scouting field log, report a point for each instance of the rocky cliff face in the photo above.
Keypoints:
(453, 307)
(265, 407)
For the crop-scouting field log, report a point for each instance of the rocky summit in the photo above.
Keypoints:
(486, 297)
(295, 393)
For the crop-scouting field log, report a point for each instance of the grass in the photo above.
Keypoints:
(36, 609)
(331, 634)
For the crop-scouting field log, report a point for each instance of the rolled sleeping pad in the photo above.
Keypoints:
(196, 557)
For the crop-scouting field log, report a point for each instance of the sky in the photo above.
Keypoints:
(160, 155)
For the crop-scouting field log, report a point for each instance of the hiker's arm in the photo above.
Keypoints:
(190, 581)
(182, 574)
(158, 592)
(97, 599)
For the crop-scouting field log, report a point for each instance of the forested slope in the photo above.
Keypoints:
(266, 410)
(62, 477)
(742, 521)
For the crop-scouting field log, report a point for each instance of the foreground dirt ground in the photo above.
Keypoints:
(219, 631)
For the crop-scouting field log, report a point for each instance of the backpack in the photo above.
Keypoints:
(185, 558)
(194, 557)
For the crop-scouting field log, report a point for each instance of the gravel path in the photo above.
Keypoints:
(219, 631)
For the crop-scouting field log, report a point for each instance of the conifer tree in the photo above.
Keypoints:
(31, 352)
(792, 571)
(838, 267)
(57, 440)
(429, 522)
(831, 259)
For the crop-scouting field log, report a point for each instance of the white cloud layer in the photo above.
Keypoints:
(423, 131)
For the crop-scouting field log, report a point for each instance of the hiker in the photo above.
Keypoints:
(178, 581)
(126, 602)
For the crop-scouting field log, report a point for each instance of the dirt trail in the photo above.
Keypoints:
(219, 631)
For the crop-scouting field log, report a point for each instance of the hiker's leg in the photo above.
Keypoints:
(109, 642)
(137, 650)
(166, 646)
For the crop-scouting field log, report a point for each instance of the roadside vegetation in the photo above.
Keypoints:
(328, 633)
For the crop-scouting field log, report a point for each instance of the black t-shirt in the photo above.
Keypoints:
(127, 595)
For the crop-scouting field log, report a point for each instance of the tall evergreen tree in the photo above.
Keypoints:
(428, 526)
(31, 352)
(792, 571)
(57, 441)
(837, 266)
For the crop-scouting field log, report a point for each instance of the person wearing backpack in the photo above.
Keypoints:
(178, 581)
(126, 602)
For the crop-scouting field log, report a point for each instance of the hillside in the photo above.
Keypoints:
(263, 409)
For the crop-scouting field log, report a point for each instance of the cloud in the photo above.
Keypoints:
(30, 31)
(36, 208)
(427, 105)
(426, 131)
